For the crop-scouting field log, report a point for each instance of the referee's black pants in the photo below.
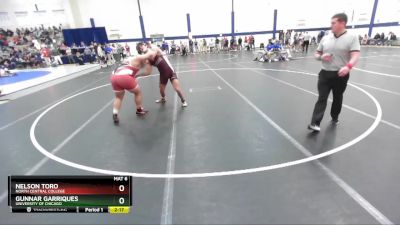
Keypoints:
(327, 81)
(305, 45)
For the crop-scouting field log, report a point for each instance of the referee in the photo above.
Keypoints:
(339, 52)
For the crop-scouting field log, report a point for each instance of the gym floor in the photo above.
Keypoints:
(240, 152)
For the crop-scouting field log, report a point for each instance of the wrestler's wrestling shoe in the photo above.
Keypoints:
(141, 112)
(115, 118)
(161, 100)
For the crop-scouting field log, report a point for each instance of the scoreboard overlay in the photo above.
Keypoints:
(70, 194)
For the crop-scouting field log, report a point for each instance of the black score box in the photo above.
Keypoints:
(77, 209)
(93, 209)
(60, 192)
(45, 209)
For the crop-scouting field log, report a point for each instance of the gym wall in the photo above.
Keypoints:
(168, 17)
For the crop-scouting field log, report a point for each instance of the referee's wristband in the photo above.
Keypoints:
(349, 65)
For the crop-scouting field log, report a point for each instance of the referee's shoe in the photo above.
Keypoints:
(314, 127)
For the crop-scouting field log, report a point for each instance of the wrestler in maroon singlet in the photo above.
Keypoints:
(166, 71)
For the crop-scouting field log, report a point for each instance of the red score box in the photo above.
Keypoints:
(87, 189)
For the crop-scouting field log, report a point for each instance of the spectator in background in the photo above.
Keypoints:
(211, 46)
(391, 37)
(4, 69)
(29, 46)
(382, 38)
(191, 46)
(165, 47)
(120, 51)
(240, 43)
(204, 46)
(46, 55)
(62, 49)
(5, 63)
(313, 41)
(56, 56)
(87, 52)
(252, 41)
(11, 43)
(306, 42)
(114, 51)
(266, 53)
(13, 62)
(184, 49)
(217, 45)
(300, 40)
(291, 40)
(71, 59)
(79, 59)
(9, 33)
(173, 48)
(281, 36)
(94, 47)
(162, 47)
(287, 37)
(377, 36)
(196, 46)
(37, 60)
(231, 43)
(225, 44)
(36, 44)
(101, 55)
(127, 49)
(364, 41)
(110, 52)
(74, 49)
